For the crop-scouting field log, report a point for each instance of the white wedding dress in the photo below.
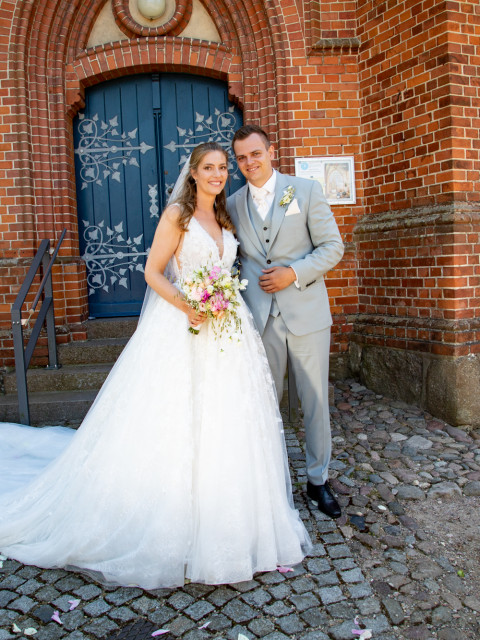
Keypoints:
(179, 469)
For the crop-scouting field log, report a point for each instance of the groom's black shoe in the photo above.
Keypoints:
(323, 497)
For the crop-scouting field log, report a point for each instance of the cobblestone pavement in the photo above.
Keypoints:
(376, 562)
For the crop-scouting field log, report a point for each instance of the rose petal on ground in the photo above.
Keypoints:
(355, 621)
(73, 604)
(242, 637)
(366, 635)
(204, 626)
(31, 631)
(284, 569)
(160, 632)
(56, 617)
(16, 629)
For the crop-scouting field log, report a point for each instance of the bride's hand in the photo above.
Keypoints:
(195, 318)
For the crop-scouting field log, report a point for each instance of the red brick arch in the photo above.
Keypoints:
(167, 53)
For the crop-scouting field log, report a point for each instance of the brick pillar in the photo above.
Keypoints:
(416, 336)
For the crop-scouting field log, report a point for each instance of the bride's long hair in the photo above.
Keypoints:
(187, 198)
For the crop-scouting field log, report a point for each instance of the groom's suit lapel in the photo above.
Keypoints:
(278, 213)
(244, 218)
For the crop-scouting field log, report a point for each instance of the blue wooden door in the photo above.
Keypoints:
(131, 142)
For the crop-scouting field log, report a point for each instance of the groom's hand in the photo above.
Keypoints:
(277, 278)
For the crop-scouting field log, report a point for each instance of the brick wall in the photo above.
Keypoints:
(324, 119)
(418, 242)
(16, 230)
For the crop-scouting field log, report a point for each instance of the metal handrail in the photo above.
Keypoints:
(46, 315)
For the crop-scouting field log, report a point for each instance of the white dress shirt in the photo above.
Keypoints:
(263, 196)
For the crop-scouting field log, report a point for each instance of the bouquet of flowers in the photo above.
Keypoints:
(214, 291)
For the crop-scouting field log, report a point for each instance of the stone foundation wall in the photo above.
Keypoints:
(446, 386)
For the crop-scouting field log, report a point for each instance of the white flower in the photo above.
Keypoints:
(287, 196)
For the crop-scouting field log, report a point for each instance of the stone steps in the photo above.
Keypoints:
(80, 377)
(63, 396)
(50, 408)
(101, 350)
(111, 327)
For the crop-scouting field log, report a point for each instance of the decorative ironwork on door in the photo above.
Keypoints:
(131, 142)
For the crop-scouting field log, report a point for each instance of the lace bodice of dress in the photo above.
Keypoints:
(200, 249)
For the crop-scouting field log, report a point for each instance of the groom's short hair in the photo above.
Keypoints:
(247, 130)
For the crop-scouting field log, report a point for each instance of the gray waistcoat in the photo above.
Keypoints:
(263, 230)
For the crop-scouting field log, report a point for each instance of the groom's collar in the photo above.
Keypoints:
(269, 186)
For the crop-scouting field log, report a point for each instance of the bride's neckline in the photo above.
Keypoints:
(220, 249)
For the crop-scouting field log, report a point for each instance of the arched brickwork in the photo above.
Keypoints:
(173, 27)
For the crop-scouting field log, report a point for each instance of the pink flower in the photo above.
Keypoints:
(214, 273)
(196, 294)
(219, 303)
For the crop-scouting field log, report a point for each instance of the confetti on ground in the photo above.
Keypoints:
(284, 569)
(56, 617)
(363, 634)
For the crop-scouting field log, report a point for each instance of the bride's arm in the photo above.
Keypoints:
(165, 243)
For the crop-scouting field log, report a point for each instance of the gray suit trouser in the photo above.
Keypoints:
(309, 357)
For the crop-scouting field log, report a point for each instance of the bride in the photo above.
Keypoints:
(179, 470)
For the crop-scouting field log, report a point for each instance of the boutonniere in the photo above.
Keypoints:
(287, 196)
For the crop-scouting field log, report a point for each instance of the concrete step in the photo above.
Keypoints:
(81, 377)
(101, 350)
(111, 327)
(52, 408)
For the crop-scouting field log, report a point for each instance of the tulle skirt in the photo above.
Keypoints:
(179, 469)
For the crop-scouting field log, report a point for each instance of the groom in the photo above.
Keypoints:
(288, 241)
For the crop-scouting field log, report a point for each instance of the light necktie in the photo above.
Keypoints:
(260, 200)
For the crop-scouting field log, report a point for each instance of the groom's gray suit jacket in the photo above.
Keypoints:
(302, 234)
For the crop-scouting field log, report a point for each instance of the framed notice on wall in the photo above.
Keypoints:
(336, 174)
